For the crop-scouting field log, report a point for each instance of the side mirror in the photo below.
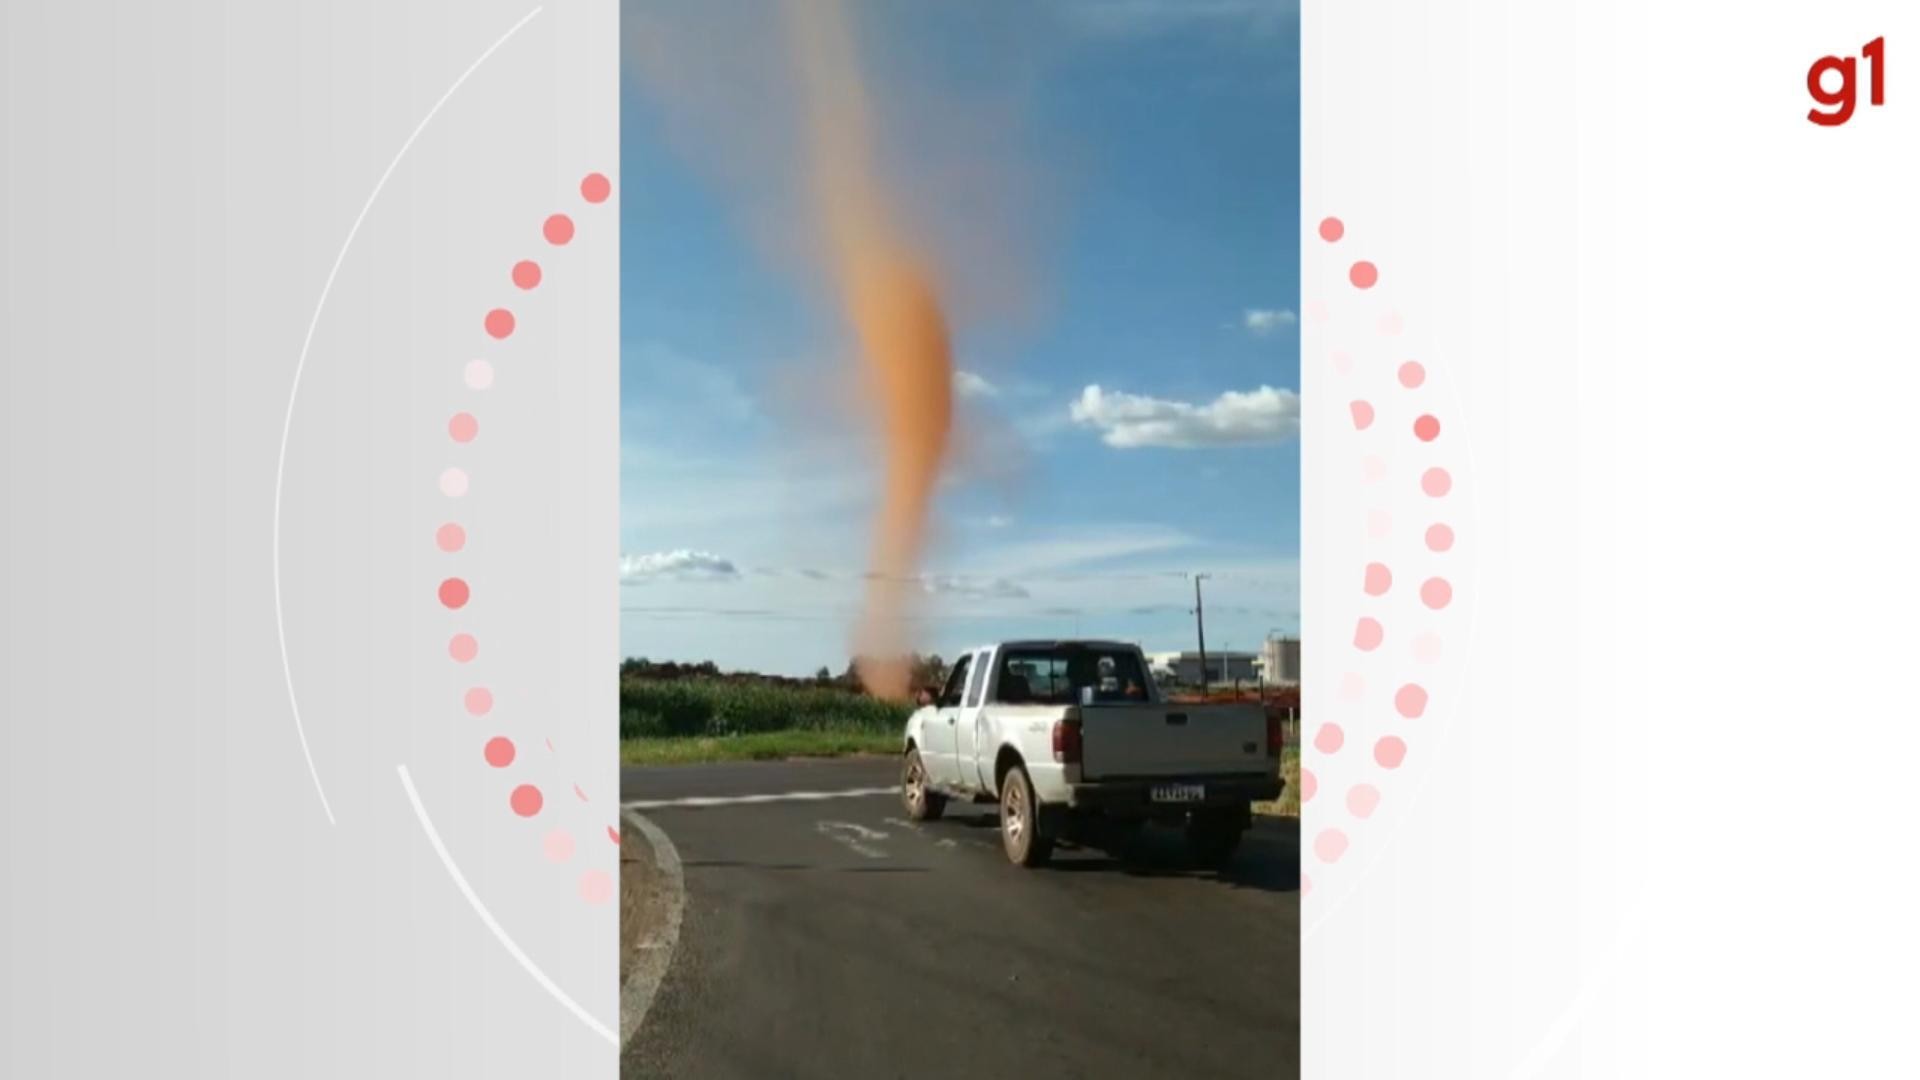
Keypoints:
(924, 697)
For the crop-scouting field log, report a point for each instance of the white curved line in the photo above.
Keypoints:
(486, 917)
(299, 368)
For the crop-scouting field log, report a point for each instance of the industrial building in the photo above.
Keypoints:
(1276, 664)
(1280, 660)
(1183, 668)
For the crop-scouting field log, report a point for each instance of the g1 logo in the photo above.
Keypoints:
(1839, 102)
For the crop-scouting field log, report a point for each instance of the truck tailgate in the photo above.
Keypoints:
(1172, 740)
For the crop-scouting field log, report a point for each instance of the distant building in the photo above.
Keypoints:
(1222, 667)
(1280, 660)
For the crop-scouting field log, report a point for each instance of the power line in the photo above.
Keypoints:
(669, 612)
(983, 576)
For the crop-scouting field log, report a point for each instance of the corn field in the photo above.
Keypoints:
(651, 709)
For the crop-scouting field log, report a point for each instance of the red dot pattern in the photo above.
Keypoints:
(526, 800)
(1410, 700)
(463, 648)
(499, 751)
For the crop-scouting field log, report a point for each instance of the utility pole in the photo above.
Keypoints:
(1200, 627)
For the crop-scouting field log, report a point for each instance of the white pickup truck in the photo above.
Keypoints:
(1069, 735)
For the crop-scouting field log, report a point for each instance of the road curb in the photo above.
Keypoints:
(654, 955)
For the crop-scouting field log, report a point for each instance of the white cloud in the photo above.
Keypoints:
(969, 385)
(1130, 421)
(681, 565)
(976, 588)
(1263, 321)
(999, 521)
(792, 623)
(1038, 427)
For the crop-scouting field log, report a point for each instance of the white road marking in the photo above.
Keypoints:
(697, 801)
(863, 832)
(656, 953)
(851, 835)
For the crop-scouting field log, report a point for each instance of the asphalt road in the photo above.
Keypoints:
(831, 938)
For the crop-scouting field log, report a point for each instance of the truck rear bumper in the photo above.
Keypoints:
(1129, 798)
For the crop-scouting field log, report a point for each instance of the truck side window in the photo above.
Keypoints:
(956, 682)
(979, 680)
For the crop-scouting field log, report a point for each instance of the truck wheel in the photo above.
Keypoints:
(1213, 837)
(1020, 821)
(922, 802)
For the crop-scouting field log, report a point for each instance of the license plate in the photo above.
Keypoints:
(1179, 792)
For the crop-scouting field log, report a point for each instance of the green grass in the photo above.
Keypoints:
(759, 746)
(681, 721)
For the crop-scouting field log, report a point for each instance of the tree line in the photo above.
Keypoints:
(928, 670)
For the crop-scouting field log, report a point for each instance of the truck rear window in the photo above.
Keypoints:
(1056, 676)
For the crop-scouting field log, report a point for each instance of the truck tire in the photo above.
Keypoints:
(1020, 834)
(1213, 836)
(922, 802)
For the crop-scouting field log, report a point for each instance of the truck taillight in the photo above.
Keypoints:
(1273, 736)
(1066, 742)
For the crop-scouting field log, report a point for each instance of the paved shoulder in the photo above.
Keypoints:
(652, 902)
(836, 939)
(665, 782)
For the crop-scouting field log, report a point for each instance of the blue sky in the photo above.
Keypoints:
(1115, 187)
